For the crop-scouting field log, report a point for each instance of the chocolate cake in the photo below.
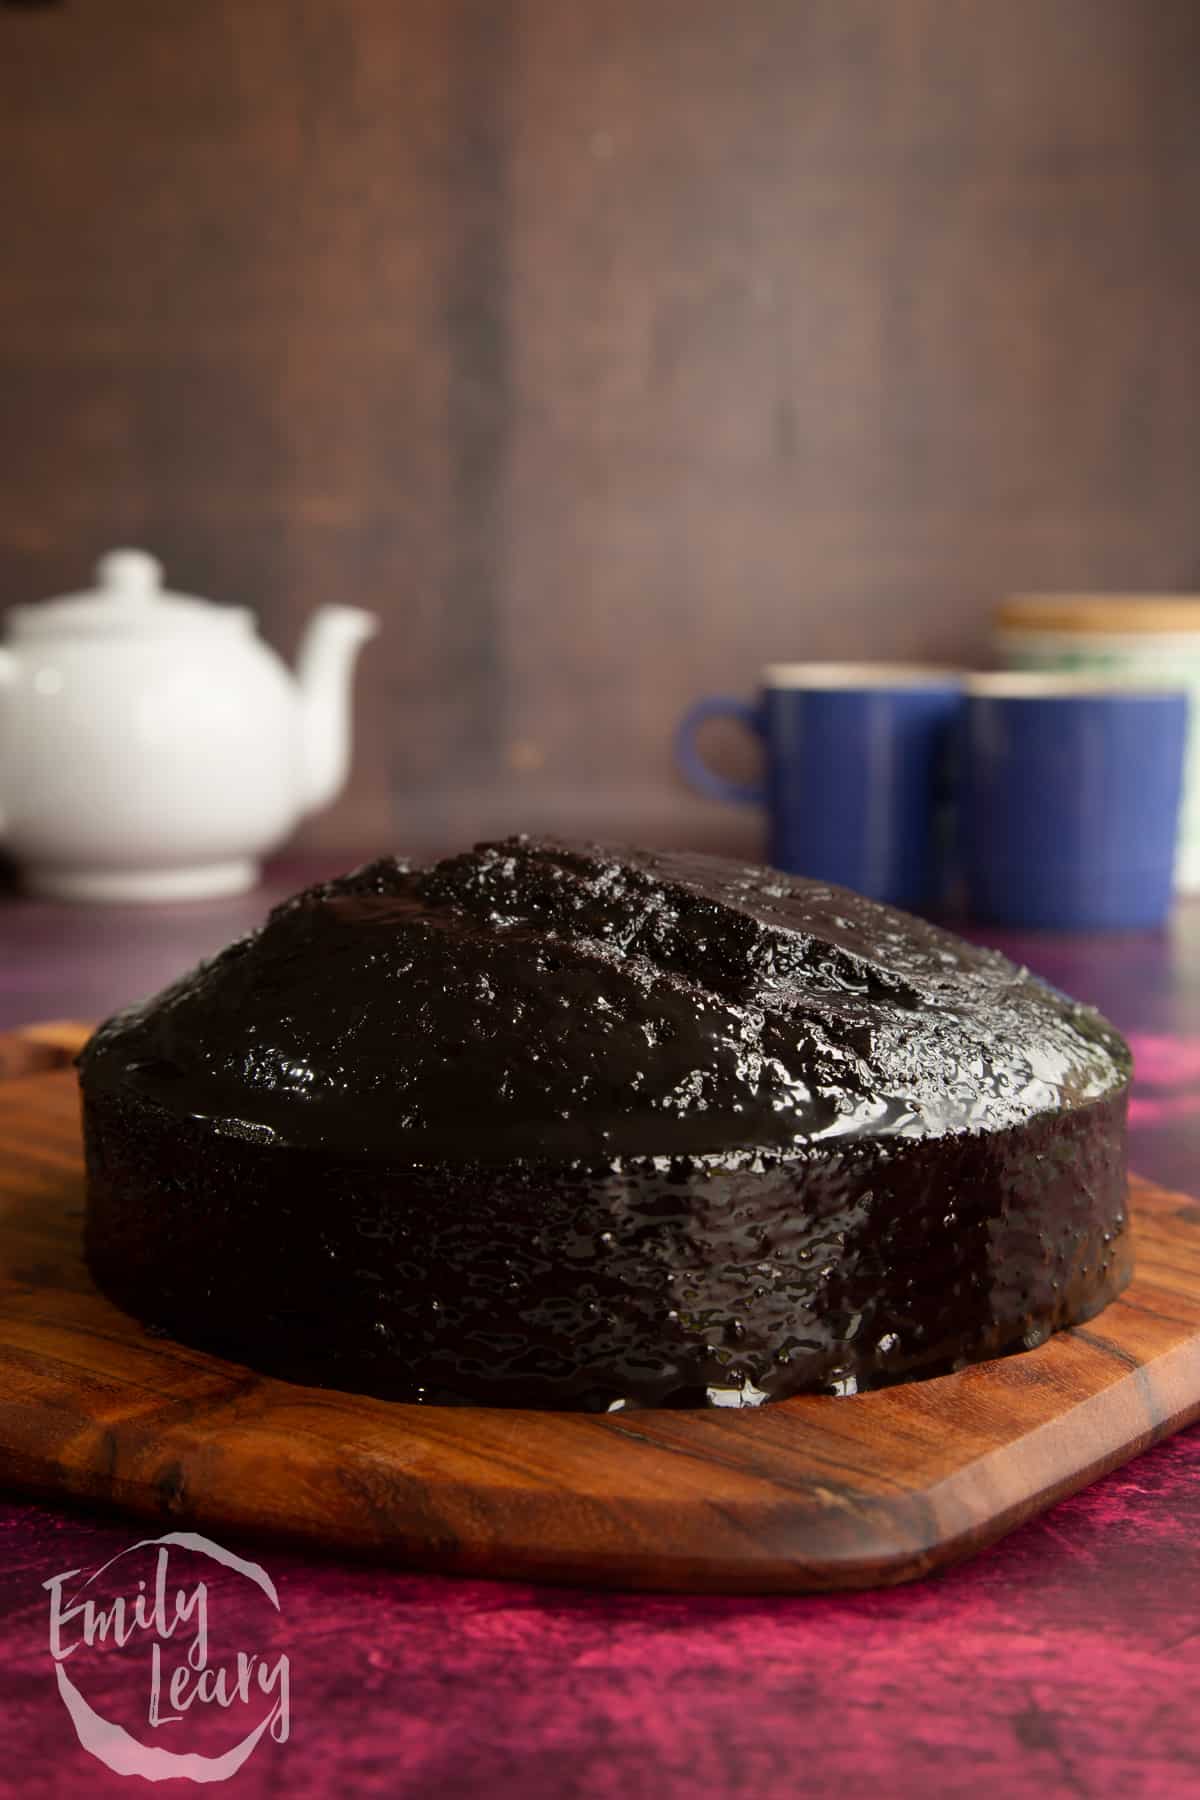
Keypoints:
(562, 1126)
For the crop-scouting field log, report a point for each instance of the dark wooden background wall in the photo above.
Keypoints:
(609, 350)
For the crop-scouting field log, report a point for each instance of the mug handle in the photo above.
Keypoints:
(692, 765)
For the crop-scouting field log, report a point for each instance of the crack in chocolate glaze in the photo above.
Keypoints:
(557, 1125)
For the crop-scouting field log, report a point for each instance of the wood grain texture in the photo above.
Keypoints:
(805, 1494)
(609, 357)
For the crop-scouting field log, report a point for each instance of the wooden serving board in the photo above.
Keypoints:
(803, 1494)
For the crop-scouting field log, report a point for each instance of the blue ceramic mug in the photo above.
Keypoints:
(1069, 803)
(853, 783)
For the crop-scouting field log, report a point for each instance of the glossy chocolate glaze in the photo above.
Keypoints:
(547, 1125)
(528, 999)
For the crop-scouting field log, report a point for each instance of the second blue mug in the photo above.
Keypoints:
(855, 785)
(1070, 799)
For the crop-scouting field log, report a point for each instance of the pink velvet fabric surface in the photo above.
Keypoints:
(1065, 1660)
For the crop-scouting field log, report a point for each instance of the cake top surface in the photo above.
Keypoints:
(531, 998)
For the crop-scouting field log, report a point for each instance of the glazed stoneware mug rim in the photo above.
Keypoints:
(1038, 684)
(853, 677)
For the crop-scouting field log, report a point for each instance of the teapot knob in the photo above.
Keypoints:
(132, 575)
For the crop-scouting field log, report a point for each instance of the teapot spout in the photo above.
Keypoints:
(328, 652)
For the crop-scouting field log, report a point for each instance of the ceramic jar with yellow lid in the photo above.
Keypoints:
(1150, 637)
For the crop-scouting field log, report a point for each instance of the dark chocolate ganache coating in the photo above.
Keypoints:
(559, 1125)
(528, 999)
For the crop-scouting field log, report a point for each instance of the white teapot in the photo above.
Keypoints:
(152, 747)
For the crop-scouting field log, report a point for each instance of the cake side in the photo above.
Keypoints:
(668, 1282)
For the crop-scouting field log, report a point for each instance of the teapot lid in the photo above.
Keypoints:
(128, 596)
